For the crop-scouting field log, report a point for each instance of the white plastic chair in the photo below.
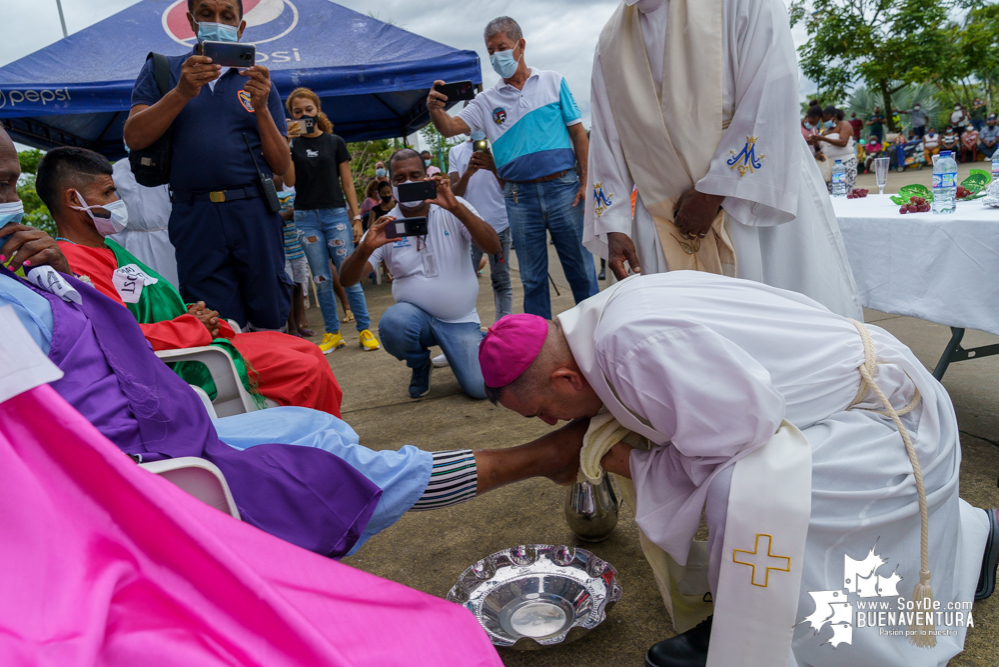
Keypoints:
(231, 397)
(198, 477)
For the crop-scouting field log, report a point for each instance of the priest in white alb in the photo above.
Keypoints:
(695, 104)
(824, 455)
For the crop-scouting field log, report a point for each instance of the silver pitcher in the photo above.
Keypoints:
(591, 510)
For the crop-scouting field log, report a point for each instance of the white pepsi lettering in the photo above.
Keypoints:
(280, 57)
(297, 57)
(261, 57)
(44, 96)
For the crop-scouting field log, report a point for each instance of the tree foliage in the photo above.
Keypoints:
(35, 212)
(886, 44)
(439, 145)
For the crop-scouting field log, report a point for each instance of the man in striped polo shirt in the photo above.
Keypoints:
(537, 137)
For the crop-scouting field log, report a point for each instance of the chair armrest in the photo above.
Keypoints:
(200, 478)
(229, 399)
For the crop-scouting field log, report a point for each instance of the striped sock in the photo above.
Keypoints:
(453, 480)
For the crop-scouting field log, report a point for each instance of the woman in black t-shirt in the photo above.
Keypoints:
(320, 172)
(384, 206)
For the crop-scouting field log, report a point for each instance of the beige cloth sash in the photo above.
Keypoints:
(669, 137)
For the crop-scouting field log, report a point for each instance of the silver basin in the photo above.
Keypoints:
(537, 595)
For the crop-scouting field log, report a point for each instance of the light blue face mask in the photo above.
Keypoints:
(217, 32)
(809, 126)
(380, 173)
(426, 163)
(830, 124)
(504, 63)
(11, 212)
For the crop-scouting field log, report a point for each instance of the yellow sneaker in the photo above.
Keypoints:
(368, 341)
(332, 342)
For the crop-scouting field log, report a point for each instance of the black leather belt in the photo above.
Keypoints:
(217, 196)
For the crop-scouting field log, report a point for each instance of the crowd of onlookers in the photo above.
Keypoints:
(257, 261)
(970, 136)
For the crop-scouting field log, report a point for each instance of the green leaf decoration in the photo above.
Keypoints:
(977, 181)
(912, 190)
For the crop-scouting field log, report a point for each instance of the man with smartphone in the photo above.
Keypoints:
(426, 242)
(537, 137)
(229, 244)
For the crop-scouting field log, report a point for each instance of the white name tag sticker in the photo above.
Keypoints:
(129, 280)
(430, 266)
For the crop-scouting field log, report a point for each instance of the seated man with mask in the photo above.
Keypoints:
(296, 473)
(435, 286)
(77, 186)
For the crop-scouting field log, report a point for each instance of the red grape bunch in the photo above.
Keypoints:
(915, 205)
(857, 193)
(962, 192)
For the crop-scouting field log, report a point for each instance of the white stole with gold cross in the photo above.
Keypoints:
(769, 507)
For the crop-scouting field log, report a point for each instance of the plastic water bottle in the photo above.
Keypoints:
(838, 179)
(944, 184)
(995, 166)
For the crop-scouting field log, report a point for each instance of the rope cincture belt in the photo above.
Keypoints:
(922, 589)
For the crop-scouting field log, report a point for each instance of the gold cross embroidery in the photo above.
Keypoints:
(756, 558)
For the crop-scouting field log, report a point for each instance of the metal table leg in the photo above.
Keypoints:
(954, 352)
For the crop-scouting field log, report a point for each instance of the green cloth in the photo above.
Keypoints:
(161, 302)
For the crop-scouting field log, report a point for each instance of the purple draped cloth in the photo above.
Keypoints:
(304, 495)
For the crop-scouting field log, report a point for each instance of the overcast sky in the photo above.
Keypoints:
(561, 34)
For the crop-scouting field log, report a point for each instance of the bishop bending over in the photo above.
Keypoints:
(695, 104)
(824, 456)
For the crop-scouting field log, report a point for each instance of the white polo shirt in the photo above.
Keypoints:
(450, 295)
(527, 128)
(483, 190)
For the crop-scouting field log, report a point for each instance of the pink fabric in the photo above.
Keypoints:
(511, 345)
(107, 564)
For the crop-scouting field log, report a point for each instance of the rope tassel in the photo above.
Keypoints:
(922, 590)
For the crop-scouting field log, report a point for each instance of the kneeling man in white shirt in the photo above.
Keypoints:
(435, 287)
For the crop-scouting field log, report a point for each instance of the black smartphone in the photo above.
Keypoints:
(456, 92)
(480, 146)
(230, 54)
(418, 191)
(406, 227)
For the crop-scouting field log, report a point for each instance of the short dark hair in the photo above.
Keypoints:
(404, 154)
(65, 163)
(239, 3)
(814, 111)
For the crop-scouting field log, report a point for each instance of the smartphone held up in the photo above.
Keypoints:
(406, 227)
(230, 54)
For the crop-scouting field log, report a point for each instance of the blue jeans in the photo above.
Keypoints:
(499, 270)
(407, 332)
(534, 208)
(326, 235)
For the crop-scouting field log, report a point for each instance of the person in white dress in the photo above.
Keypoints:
(719, 374)
(755, 164)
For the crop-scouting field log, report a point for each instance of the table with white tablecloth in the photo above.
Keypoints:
(942, 268)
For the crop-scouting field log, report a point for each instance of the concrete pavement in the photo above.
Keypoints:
(429, 550)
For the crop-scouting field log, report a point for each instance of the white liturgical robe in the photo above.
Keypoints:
(714, 365)
(780, 218)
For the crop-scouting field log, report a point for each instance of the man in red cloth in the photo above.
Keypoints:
(77, 186)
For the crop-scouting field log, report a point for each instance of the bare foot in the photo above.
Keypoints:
(564, 452)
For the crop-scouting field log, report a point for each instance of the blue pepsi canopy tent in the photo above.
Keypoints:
(372, 77)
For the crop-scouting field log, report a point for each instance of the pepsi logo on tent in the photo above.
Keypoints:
(266, 21)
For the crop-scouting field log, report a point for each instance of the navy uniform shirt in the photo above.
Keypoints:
(208, 148)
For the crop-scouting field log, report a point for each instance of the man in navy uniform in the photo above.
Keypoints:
(230, 250)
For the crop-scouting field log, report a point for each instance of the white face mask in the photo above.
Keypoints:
(411, 204)
(11, 212)
(106, 226)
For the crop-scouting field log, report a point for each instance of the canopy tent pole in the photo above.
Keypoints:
(62, 19)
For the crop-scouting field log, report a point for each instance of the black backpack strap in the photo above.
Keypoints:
(161, 72)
